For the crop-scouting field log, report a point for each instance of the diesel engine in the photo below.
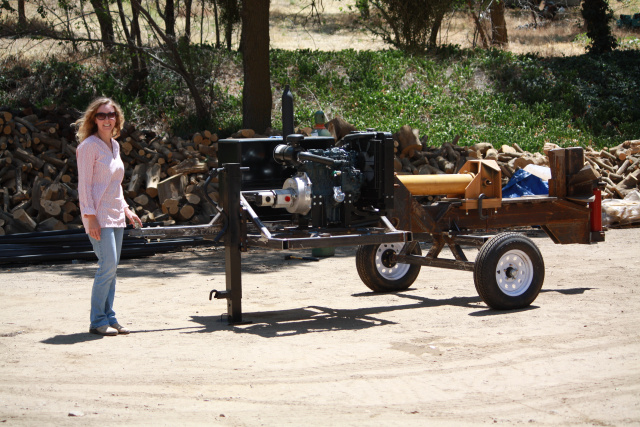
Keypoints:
(346, 186)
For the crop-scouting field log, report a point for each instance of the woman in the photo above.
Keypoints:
(102, 205)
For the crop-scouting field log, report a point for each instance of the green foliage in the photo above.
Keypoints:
(408, 25)
(4, 5)
(598, 16)
(599, 93)
(162, 104)
(481, 95)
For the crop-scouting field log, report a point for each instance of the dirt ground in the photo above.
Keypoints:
(322, 349)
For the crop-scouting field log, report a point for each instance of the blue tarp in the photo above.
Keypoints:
(522, 183)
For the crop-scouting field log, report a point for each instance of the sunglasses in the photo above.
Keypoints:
(104, 116)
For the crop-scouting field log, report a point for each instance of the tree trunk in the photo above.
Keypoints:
(139, 65)
(217, 21)
(101, 8)
(498, 24)
(22, 17)
(435, 29)
(256, 94)
(476, 20)
(139, 76)
(230, 16)
(178, 65)
(202, 10)
(187, 22)
(170, 19)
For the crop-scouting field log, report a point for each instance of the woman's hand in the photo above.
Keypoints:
(133, 218)
(93, 229)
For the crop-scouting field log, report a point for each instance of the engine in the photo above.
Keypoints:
(346, 186)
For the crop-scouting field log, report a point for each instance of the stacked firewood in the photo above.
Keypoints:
(38, 172)
(619, 167)
(164, 175)
(415, 156)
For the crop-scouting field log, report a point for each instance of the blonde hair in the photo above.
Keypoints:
(86, 124)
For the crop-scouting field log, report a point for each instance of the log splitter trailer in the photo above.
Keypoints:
(350, 196)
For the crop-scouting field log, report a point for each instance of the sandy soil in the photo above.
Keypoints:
(322, 349)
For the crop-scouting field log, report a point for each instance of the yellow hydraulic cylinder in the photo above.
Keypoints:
(436, 185)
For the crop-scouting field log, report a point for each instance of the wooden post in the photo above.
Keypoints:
(558, 181)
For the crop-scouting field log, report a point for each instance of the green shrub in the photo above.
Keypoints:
(480, 95)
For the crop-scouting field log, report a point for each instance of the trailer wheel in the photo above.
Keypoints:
(509, 272)
(379, 273)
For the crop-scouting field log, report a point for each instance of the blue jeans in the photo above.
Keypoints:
(107, 250)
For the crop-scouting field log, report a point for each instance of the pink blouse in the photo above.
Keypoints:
(100, 173)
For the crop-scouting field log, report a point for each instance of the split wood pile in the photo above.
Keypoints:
(38, 173)
(618, 166)
(415, 156)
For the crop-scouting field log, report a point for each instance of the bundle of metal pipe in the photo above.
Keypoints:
(66, 245)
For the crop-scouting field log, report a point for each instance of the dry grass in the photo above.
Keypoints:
(291, 29)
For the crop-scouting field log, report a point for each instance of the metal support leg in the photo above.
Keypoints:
(230, 180)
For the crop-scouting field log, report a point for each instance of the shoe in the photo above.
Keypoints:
(104, 330)
(121, 329)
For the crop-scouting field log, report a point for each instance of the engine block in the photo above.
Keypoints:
(346, 186)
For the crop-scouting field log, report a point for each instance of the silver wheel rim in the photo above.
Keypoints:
(390, 271)
(514, 273)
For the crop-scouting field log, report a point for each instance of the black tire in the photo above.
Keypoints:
(381, 275)
(509, 272)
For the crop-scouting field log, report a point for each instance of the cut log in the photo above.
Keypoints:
(482, 147)
(197, 138)
(171, 188)
(47, 140)
(6, 116)
(24, 220)
(137, 177)
(6, 200)
(548, 146)
(192, 198)
(245, 133)
(522, 162)
(408, 167)
(26, 123)
(52, 207)
(507, 149)
(160, 148)
(211, 151)
(186, 212)
(53, 191)
(51, 224)
(629, 183)
(171, 206)
(188, 166)
(410, 151)
(406, 137)
(445, 165)
(28, 157)
(70, 207)
(146, 202)
(452, 155)
(153, 179)
(491, 153)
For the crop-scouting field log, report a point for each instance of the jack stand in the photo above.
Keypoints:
(230, 179)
